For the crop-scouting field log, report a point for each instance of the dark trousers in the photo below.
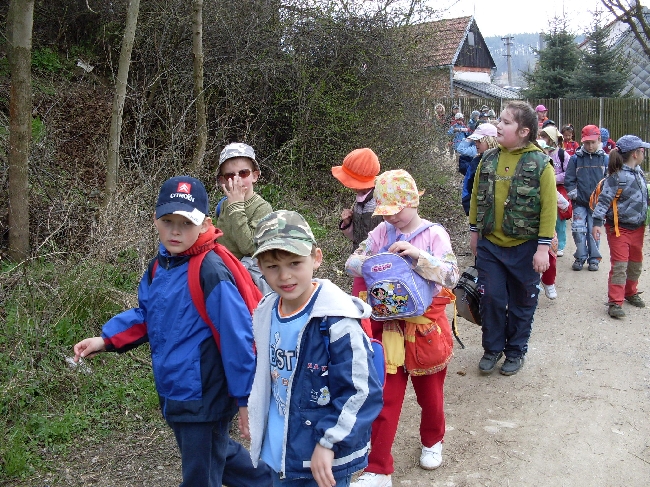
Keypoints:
(278, 482)
(211, 458)
(510, 288)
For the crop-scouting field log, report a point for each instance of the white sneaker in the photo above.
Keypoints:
(560, 252)
(550, 291)
(431, 458)
(373, 480)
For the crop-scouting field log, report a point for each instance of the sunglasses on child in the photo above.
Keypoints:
(243, 173)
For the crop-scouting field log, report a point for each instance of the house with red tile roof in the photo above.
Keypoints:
(455, 53)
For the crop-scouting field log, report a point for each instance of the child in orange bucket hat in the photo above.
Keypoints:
(358, 172)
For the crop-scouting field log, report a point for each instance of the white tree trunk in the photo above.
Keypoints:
(19, 53)
(113, 159)
(201, 118)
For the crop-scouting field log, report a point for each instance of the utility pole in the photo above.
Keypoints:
(508, 43)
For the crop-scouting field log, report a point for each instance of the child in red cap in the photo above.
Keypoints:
(585, 170)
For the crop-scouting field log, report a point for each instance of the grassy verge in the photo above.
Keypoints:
(45, 403)
(48, 304)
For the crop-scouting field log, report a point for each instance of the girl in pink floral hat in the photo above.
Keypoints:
(432, 257)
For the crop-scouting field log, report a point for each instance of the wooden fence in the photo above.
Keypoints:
(620, 116)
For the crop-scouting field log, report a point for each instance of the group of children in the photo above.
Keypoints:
(461, 142)
(299, 370)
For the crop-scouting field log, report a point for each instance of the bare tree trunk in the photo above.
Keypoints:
(113, 159)
(20, 19)
(201, 118)
(631, 13)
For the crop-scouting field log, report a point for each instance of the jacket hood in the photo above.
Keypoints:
(582, 153)
(529, 148)
(331, 301)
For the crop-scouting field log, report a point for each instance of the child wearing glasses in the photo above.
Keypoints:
(240, 210)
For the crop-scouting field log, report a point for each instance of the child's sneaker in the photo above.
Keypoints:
(593, 266)
(489, 361)
(615, 311)
(550, 291)
(577, 265)
(511, 365)
(560, 252)
(431, 458)
(373, 480)
(635, 300)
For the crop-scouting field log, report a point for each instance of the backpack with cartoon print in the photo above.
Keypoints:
(395, 290)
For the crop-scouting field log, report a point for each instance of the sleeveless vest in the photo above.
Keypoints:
(522, 206)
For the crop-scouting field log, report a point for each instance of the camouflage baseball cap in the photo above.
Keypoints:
(237, 149)
(284, 230)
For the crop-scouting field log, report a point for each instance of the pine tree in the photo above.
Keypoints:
(603, 69)
(552, 77)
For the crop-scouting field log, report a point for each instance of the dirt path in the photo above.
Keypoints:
(576, 415)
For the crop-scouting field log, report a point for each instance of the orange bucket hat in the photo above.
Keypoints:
(359, 169)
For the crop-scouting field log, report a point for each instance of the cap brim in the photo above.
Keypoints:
(386, 210)
(292, 245)
(590, 137)
(348, 181)
(475, 137)
(176, 208)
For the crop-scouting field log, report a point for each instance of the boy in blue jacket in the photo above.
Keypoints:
(200, 389)
(459, 131)
(316, 390)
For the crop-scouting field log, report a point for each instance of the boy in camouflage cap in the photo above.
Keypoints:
(312, 350)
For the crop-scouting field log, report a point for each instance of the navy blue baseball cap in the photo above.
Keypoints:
(629, 143)
(183, 195)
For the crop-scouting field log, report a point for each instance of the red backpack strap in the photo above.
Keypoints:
(247, 288)
(196, 292)
(366, 326)
(245, 285)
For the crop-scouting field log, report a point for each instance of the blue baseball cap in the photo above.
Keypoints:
(629, 143)
(183, 195)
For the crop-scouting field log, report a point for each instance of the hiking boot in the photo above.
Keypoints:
(489, 362)
(511, 365)
(431, 458)
(550, 291)
(577, 265)
(560, 252)
(635, 300)
(593, 266)
(373, 480)
(615, 311)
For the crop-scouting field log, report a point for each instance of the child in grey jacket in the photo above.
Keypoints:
(622, 206)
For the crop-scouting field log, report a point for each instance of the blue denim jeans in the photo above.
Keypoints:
(510, 288)
(560, 229)
(586, 246)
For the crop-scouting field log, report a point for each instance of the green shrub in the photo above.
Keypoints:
(46, 60)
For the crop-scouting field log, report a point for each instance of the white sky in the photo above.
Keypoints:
(501, 17)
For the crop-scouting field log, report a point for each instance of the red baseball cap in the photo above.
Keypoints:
(590, 132)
